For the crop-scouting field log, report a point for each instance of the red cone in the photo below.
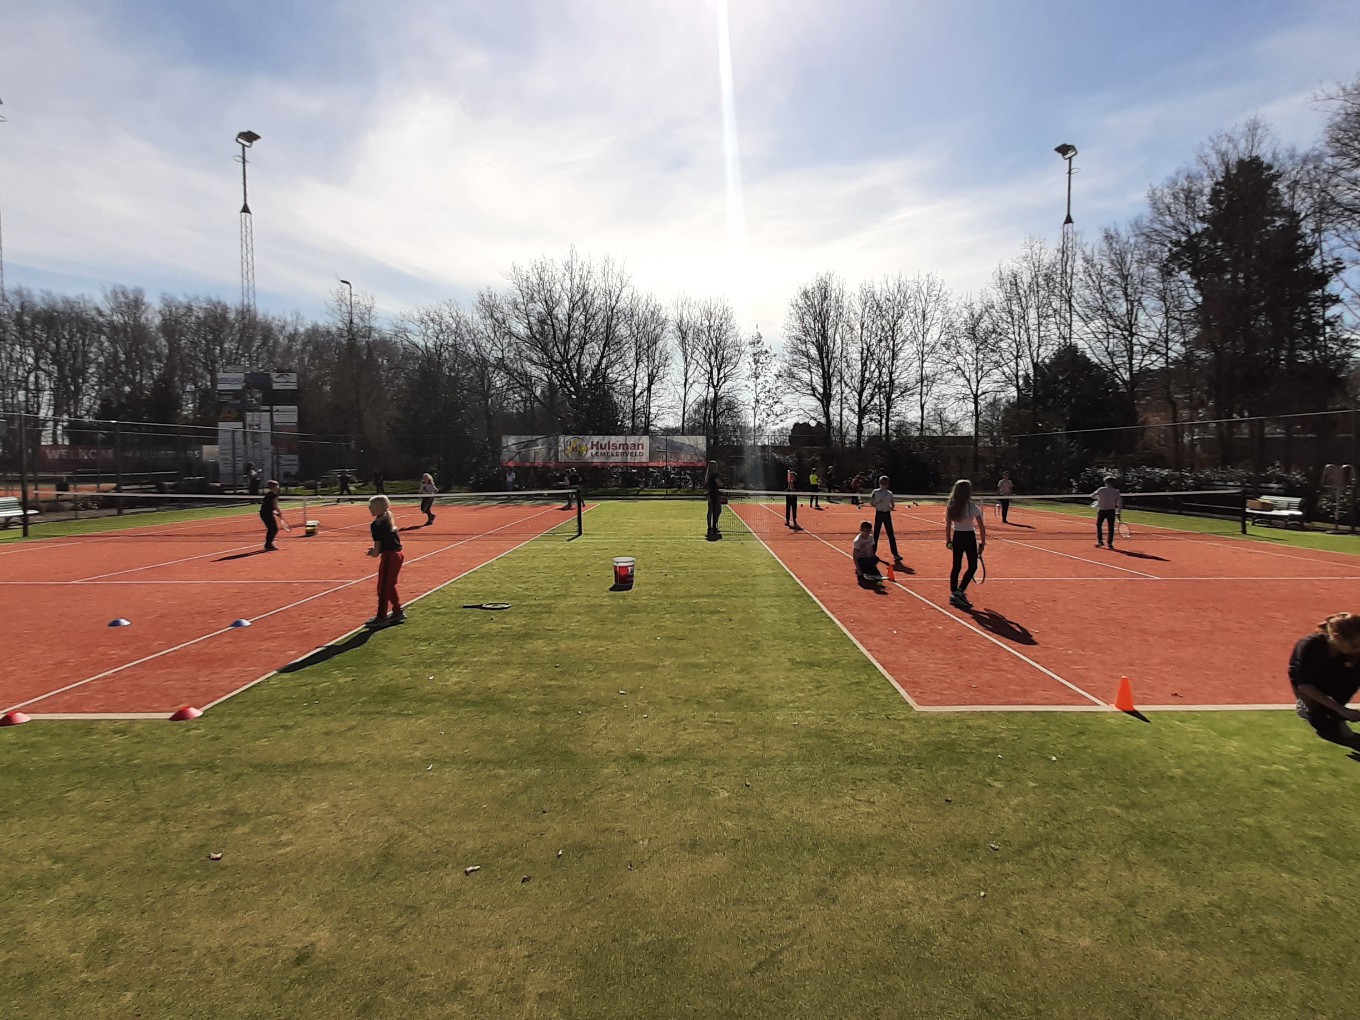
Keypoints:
(13, 719)
(185, 713)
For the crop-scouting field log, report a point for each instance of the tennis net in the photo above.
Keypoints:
(839, 514)
(451, 514)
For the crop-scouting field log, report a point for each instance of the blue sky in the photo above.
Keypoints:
(420, 148)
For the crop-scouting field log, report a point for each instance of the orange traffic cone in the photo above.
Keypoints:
(1123, 700)
(891, 576)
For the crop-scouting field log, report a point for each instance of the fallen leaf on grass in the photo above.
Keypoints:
(471, 868)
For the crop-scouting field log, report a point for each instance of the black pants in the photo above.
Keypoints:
(791, 508)
(1106, 517)
(813, 499)
(965, 544)
(867, 565)
(1327, 724)
(271, 530)
(714, 513)
(883, 522)
(427, 506)
(1005, 510)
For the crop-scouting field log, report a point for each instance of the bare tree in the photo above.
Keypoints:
(651, 357)
(684, 325)
(719, 353)
(764, 397)
(814, 341)
(892, 299)
(971, 350)
(861, 372)
(563, 328)
(1116, 278)
(926, 321)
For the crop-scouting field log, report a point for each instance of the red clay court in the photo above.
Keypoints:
(182, 585)
(1196, 621)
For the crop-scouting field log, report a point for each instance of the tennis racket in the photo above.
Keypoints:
(1124, 531)
(486, 605)
(981, 576)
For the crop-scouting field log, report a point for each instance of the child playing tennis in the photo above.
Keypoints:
(965, 531)
(865, 553)
(1109, 502)
(427, 489)
(883, 502)
(387, 548)
(791, 499)
(271, 515)
(1324, 671)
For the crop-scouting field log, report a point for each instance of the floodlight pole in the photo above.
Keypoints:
(1068, 151)
(245, 139)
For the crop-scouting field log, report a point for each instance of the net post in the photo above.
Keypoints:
(1242, 510)
(579, 512)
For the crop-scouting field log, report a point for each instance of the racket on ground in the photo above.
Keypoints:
(486, 605)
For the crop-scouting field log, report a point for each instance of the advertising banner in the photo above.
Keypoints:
(603, 451)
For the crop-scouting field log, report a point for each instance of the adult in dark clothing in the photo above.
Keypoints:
(574, 499)
(1324, 671)
(252, 480)
(713, 493)
(379, 483)
(271, 515)
(791, 499)
(343, 479)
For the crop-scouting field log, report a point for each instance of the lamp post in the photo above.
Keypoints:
(245, 139)
(1068, 151)
(351, 307)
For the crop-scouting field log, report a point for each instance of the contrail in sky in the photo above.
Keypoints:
(736, 213)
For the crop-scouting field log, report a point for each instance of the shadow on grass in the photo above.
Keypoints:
(327, 652)
(1138, 715)
(620, 587)
(992, 621)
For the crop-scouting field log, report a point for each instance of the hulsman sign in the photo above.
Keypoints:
(603, 451)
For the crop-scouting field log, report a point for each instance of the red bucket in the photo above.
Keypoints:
(624, 567)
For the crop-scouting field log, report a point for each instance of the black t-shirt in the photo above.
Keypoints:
(269, 506)
(1312, 662)
(714, 486)
(385, 535)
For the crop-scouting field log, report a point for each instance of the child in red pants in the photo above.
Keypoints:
(387, 548)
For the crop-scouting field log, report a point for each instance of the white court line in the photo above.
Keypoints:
(272, 612)
(129, 716)
(962, 623)
(832, 616)
(1080, 559)
(356, 630)
(207, 581)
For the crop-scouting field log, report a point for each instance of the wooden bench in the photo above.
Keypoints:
(10, 508)
(1282, 510)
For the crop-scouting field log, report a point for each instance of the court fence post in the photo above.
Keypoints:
(1242, 495)
(23, 471)
(118, 463)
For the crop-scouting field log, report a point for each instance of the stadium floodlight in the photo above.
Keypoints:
(245, 139)
(1067, 151)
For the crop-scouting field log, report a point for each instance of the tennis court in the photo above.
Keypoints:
(1197, 619)
(183, 583)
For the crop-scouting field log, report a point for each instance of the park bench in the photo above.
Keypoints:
(1282, 510)
(10, 508)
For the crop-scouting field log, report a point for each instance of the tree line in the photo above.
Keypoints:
(1233, 295)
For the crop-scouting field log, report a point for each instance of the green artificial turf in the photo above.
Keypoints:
(751, 823)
